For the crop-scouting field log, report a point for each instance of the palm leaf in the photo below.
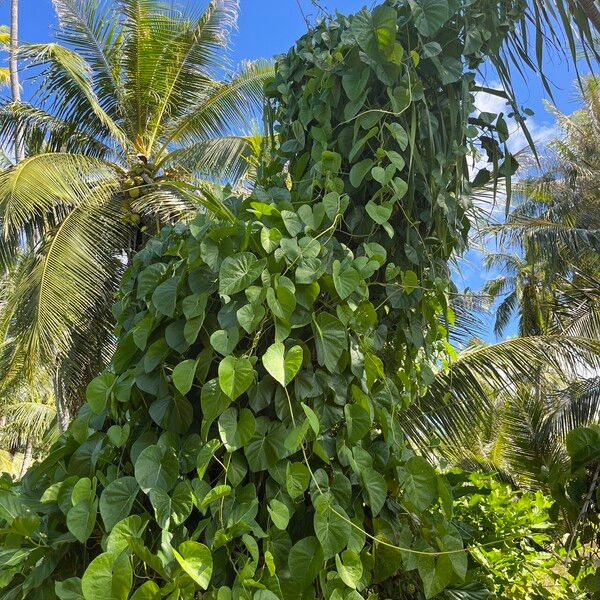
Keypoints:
(41, 184)
(224, 107)
(69, 88)
(57, 289)
(186, 66)
(90, 28)
(224, 159)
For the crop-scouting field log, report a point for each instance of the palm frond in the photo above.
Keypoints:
(224, 108)
(46, 133)
(58, 287)
(90, 28)
(40, 185)
(190, 61)
(69, 88)
(224, 159)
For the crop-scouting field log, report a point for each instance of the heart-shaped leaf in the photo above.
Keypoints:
(282, 366)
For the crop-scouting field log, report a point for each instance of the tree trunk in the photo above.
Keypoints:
(13, 67)
(62, 416)
(591, 12)
(27, 456)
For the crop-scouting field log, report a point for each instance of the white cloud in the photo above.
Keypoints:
(540, 132)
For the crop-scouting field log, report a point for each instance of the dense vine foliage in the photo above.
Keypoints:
(245, 442)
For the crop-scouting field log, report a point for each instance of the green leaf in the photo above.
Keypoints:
(282, 366)
(196, 560)
(358, 422)
(155, 354)
(331, 340)
(224, 341)
(280, 514)
(116, 500)
(122, 533)
(176, 507)
(297, 477)
(118, 435)
(305, 561)
(236, 433)
(296, 436)
(69, 589)
(451, 69)
(346, 279)
(375, 31)
(312, 418)
(429, 15)
(583, 445)
(332, 527)
(218, 492)
(81, 518)
(349, 568)
(147, 591)
(161, 503)
(376, 488)
(183, 375)
(419, 483)
(194, 306)
(436, 573)
(213, 402)
(359, 170)
(98, 391)
(237, 272)
(380, 213)
(205, 456)
(410, 281)
(250, 316)
(164, 297)
(354, 82)
(156, 467)
(399, 134)
(292, 222)
(236, 375)
(107, 578)
(149, 279)
(330, 161)
(172, 413)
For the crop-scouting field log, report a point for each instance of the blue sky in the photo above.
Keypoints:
(270, 27)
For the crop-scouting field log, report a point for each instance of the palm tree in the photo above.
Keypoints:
(135, 121)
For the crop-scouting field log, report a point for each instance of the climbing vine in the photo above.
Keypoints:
(245, 442)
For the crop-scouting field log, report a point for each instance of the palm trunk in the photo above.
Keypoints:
(27, 456)
(13, 67)
(62, 416)
(591, 12)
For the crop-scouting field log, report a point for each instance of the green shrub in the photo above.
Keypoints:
(244, 442)
(514, 540)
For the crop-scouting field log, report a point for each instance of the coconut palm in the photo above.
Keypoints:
(136, 117)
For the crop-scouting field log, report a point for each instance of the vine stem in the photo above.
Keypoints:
(584, 509)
